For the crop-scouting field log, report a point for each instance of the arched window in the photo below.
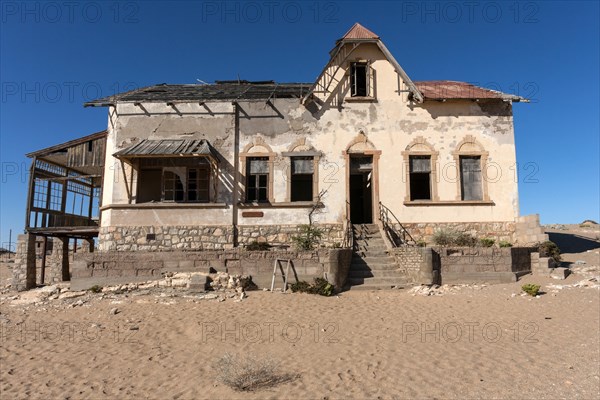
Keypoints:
(471, 161)
(420, 171)
(302, 172)
(257, 160)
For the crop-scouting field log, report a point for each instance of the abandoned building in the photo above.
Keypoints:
(186, 175)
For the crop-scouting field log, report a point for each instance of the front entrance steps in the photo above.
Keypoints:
(372, 267)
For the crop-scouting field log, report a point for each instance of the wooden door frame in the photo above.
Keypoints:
(375, 181)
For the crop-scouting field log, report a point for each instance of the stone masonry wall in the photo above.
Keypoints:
(24, 267)
(490, 264)
(159, 238)
(494, 230)
(420, 263)
(529, 230)
(282, 234)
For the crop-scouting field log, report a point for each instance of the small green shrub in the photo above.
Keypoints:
(421, 243)
(258, 246)
(95, 289)
(308, 238)
(487, 242)
(549, 249)
(301, 287)
(531, 289)
(504, 243)
(465, 240)
(337, 245)
(320, 286)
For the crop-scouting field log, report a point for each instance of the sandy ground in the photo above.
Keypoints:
(471, 342)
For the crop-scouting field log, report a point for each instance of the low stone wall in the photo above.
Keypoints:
(110, 268)
(158, 238)
(421, 264)
(484, 264)
(494, 230)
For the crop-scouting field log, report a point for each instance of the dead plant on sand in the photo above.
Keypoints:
(249, 373)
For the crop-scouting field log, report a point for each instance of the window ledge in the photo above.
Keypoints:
(361, 99)
(163, 205)
(426, 203)
(283, 204)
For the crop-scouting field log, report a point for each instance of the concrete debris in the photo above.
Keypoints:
(71, 295)
(437, 290)
(592, 283)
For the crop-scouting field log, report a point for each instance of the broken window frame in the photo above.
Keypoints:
(301, 179)
(367, 91)
(173, 188)
(355, 80)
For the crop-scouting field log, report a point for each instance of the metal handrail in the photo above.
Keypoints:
(397, 238)
(348, 232)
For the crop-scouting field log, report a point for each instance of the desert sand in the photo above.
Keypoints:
(466, 341)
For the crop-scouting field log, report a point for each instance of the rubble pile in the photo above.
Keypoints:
(197, 286)
(437, 290)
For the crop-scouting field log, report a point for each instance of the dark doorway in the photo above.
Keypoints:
(361, 194)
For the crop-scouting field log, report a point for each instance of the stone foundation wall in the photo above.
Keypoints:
(282, 234)
(420, 263)
(159, 238)
(490, 264)
(109, 268)
(494, 230)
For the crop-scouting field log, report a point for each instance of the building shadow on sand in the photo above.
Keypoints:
(572, 243)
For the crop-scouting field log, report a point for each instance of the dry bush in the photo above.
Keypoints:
(249, 373)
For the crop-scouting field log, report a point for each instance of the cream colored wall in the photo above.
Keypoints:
(390, 124)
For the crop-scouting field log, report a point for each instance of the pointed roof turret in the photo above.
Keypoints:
(357, 36)
(359, 32)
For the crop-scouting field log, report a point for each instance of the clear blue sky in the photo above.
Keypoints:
(56, 55)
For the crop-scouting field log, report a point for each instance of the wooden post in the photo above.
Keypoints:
(30, 192)
(43, 271)
(66, 276)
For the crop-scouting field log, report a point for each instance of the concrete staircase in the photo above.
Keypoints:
(372, 267)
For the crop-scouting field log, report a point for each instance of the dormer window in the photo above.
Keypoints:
(359, 79)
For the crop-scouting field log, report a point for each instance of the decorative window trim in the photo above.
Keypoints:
(262, 150)
(413, 150)
(476, 150)
(301, 149)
